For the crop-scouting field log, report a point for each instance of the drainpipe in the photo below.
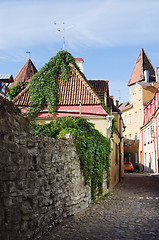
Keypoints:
(110, 119)
(120, 119)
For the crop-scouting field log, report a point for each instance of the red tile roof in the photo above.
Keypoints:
(142, 63)
(27, 71)
(74, 91)
(79, 59)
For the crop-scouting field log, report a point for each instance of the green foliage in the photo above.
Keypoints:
(15, 90)
(113, 129)
(44, 84)
(93, 148)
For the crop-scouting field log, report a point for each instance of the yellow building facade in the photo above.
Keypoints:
(142, 86)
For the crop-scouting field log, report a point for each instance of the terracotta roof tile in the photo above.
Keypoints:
(79, 60)
(27, 71)
(74, 91)
(23, 98)
(142, 63)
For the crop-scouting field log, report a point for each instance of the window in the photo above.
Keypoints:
(134, 97)
(136, 138)
(136, 158)
(153, 109)
(144, 137)
(140, 95)
(129, 118)
(148, 135)
(140, 136)
(149, 112)
(145, 162)
(140, 117)
(125, 140)
(129, 139)
(129, 157)
(135, 117)
(125, 120)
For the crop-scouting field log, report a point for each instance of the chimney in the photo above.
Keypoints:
(80, 62)
(157, 74)
(117, 103)
(146, 75)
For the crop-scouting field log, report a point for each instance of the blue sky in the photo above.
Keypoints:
(107, 34)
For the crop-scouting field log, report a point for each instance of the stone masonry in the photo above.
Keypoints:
(40, 178)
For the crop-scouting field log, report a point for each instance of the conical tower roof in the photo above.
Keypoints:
(143, 63)
(26, 73)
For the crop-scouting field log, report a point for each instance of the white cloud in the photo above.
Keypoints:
(90, 23)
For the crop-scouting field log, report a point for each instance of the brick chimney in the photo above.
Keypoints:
(117, 103)
(80, 62)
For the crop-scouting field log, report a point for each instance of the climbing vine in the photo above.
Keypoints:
(93, 148)
(16, 89)
(44, 89)
(44, 84)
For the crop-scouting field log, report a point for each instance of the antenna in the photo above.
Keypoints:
(119, 95)
(63, 32)
(28, 54)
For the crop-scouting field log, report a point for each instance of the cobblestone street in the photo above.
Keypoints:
(130, 212)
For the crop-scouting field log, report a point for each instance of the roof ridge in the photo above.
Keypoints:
(99, 80)
(24, 73)
(86, 82)
(148, 59)
(25, 67)
(142, 63)
(75, 89)
(21, 93)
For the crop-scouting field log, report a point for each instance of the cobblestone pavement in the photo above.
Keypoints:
(130, 212)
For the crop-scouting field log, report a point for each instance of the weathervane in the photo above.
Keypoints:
(62, 31)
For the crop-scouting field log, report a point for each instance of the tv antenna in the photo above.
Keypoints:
(28, 54)
(119, 95)
(61, 30)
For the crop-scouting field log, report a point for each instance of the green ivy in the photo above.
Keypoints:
(44, 84)
(113, 129)
(93, 148)
(15, 90)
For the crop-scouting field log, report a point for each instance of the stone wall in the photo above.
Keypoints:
(40, 178)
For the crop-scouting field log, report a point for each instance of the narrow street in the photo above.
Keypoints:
(130, 212)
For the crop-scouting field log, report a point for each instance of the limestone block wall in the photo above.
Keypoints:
(40, 178)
